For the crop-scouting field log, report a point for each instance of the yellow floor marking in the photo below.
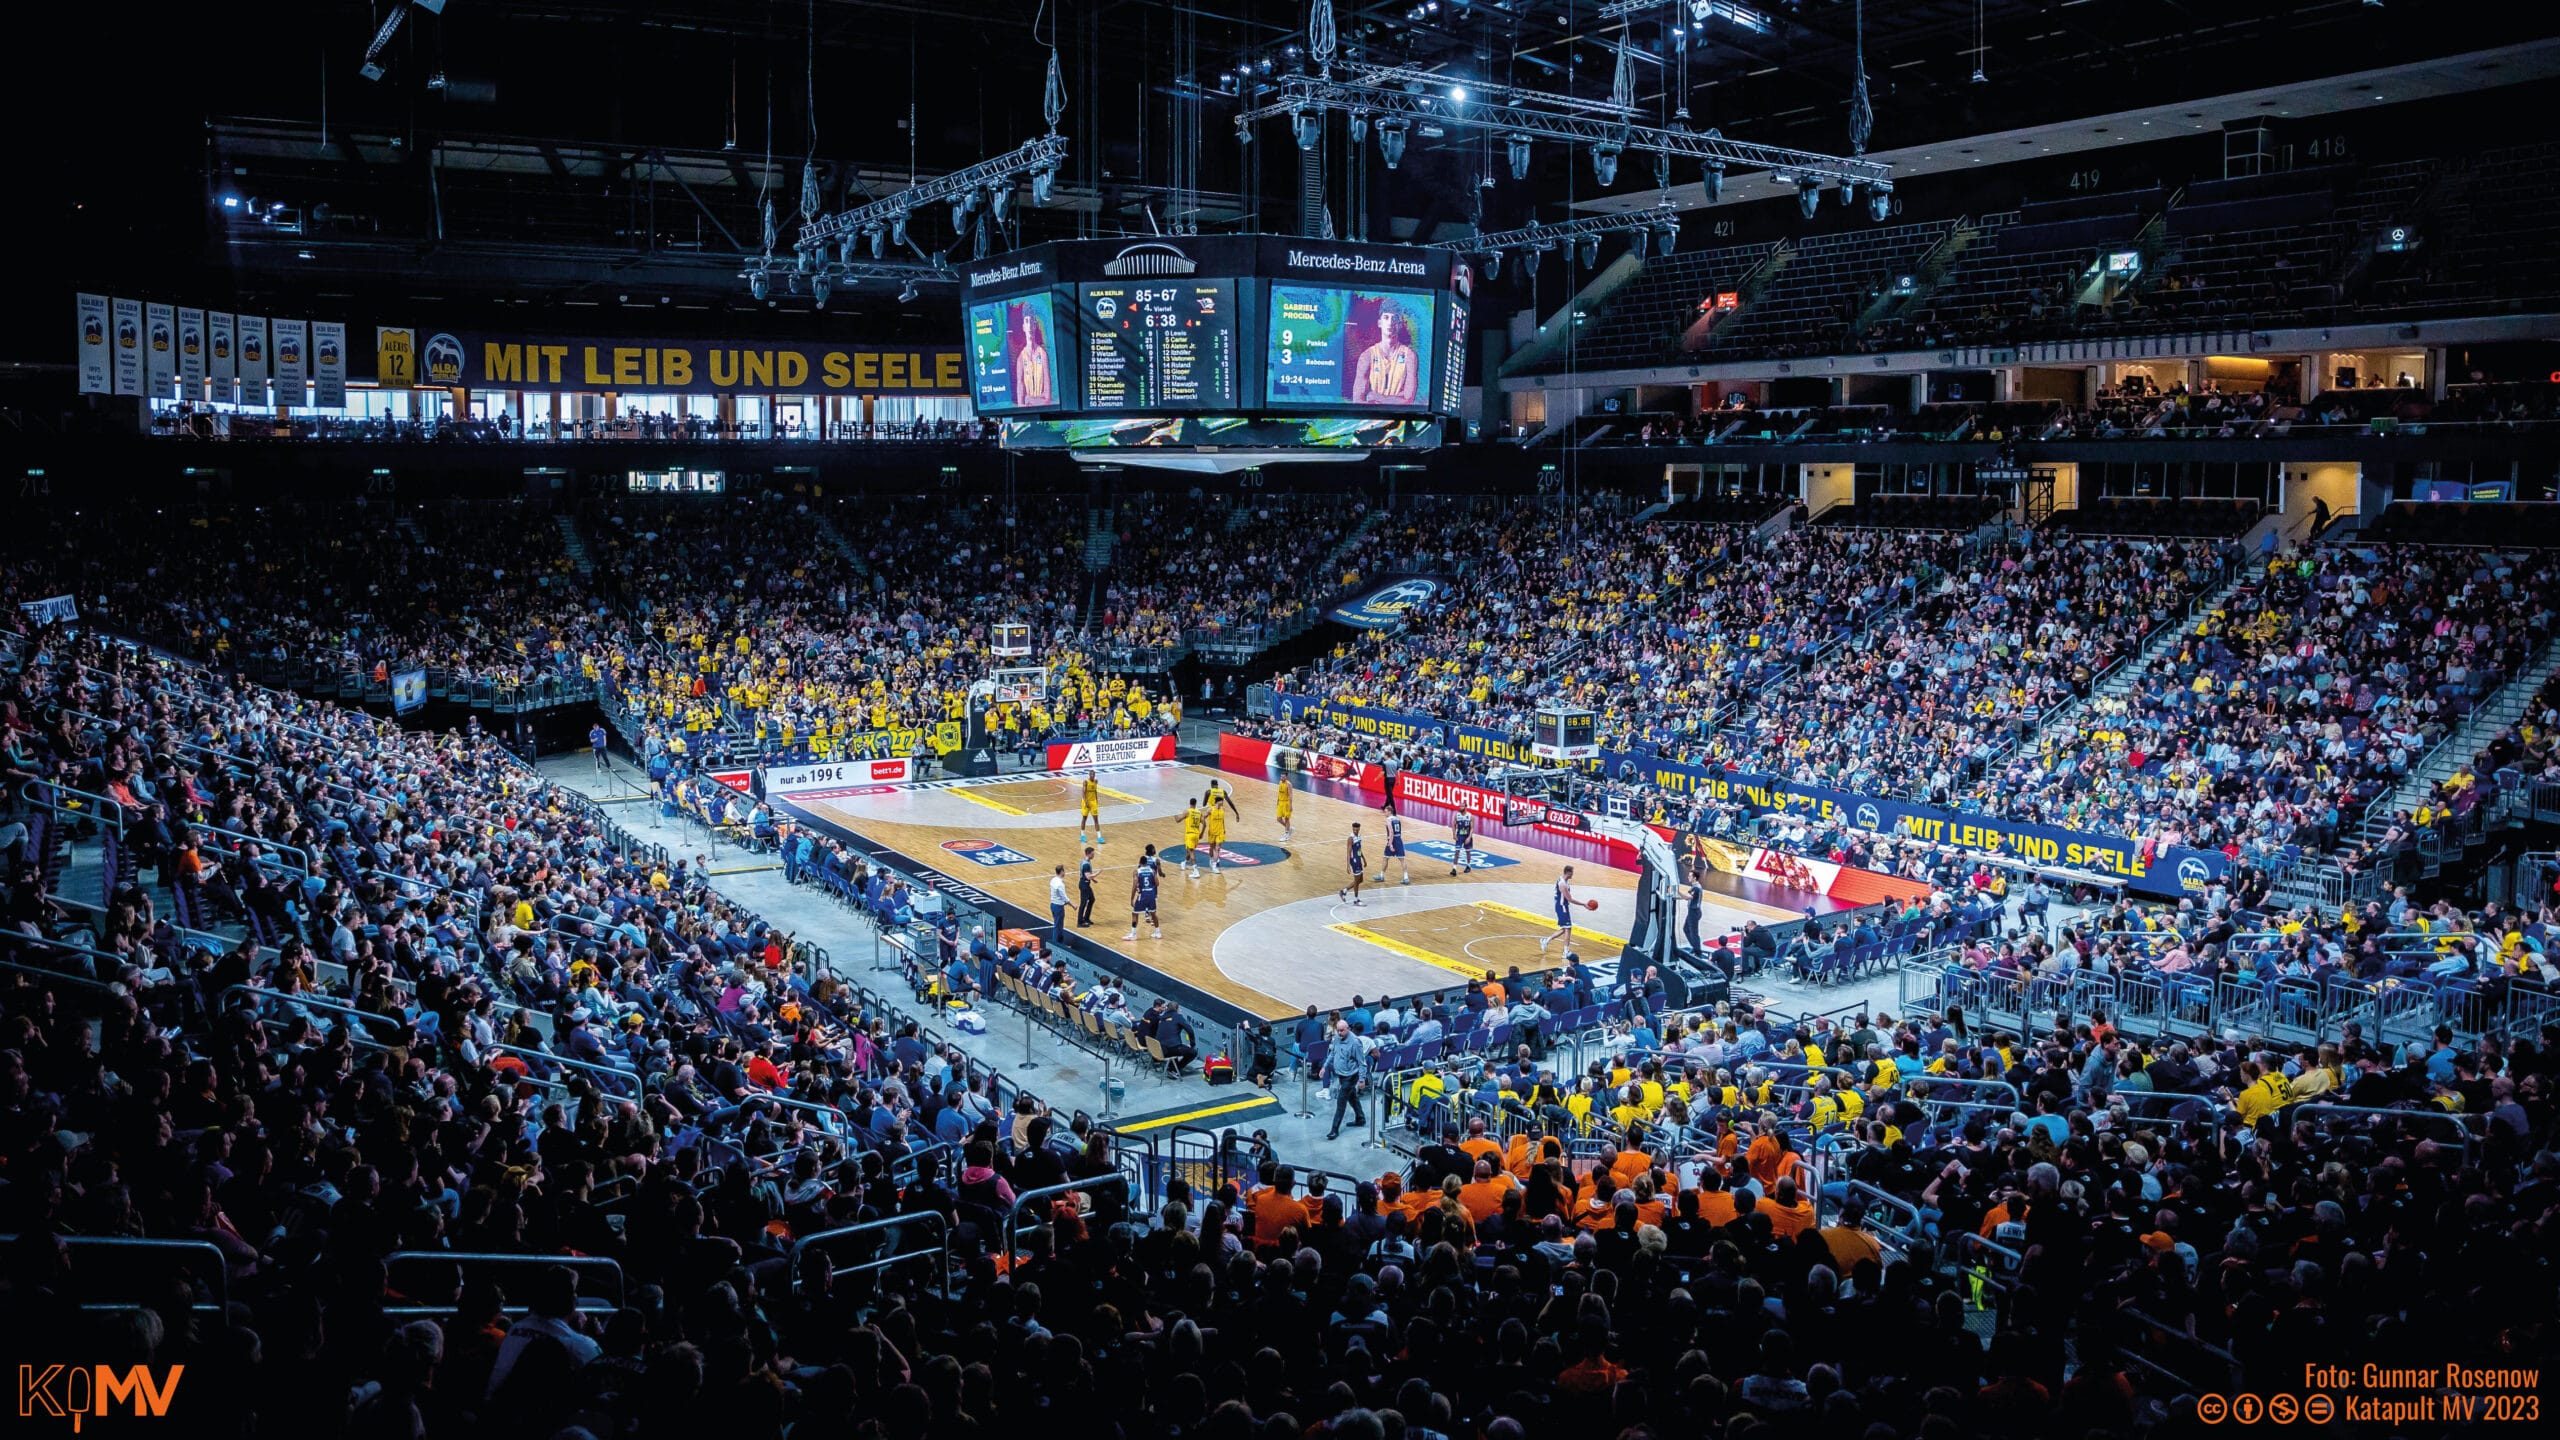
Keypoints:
(1546, 923)
(1232, 1106)
(990, 804)
(1449, 963)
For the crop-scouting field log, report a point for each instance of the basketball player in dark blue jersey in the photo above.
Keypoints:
(1142, 896)
(1358, 862)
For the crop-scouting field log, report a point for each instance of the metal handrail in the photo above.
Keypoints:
(1013, 1216)
(890, 1226)
(218, 1278)
(581, 1265)
(109, 809)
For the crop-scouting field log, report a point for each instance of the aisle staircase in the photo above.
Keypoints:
(576, 544)
(836, 540)
(1099, 540)
(2504, 707)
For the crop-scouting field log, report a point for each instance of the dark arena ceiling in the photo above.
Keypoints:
(618, 154)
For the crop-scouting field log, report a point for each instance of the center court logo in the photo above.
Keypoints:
(76, 1392)
(986, 852)
(1248, 853)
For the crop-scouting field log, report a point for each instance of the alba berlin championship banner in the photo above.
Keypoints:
(478, 361)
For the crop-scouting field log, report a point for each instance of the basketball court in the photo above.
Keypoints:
(1266, 934)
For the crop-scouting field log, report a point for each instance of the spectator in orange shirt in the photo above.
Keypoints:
(1481, 1198)
(1849, 1244)
(1715, 1203)
(1277, 1210)
(1770, 1158)
(1788, 1215)
(1478, 1145)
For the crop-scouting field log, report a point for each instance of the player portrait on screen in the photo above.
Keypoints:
(1388, 372)
(1032, 384)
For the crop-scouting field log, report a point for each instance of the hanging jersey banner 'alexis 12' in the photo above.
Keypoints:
(1086, 754)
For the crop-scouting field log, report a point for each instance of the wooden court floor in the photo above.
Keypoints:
(1266, 932)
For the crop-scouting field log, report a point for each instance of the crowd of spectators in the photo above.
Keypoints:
(556, 1044)
(2305, 697)
(1661, 631)
(484, 590)
(1937, 692)
(1181, 567)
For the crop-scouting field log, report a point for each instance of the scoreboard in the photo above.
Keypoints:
(1159, 345)
(1231, 335)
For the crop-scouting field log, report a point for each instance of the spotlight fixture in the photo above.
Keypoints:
(1604, 162)
(1809, 199)
(1391, 138)
(1519, 148)
(807, 261)
(819, 289)
(1667, 237)
(1043, 182)
(758, 285)
(1529, 262)
(1359, 127)
(1587, 251)
(1879, 204)
(1458, 93)
(1714, 181)
(907, 293)
(1308, 126)
(1000, 202)
(1639, 243)
(878, 237)
(962, 209)
(898, 230)
(1493, 267)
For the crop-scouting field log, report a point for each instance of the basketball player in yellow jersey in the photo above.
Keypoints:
(1192, 827)
(1092, 813)
(1285, 797)
(1215, 834)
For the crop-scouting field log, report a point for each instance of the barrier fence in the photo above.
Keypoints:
(2184, 1005)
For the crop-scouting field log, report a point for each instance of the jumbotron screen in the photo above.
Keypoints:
(1330, 346)
(1224, 331)
(1159, 345)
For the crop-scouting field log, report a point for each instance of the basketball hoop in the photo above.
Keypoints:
(1020, 684)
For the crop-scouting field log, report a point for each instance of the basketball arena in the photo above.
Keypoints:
(1441, 720)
